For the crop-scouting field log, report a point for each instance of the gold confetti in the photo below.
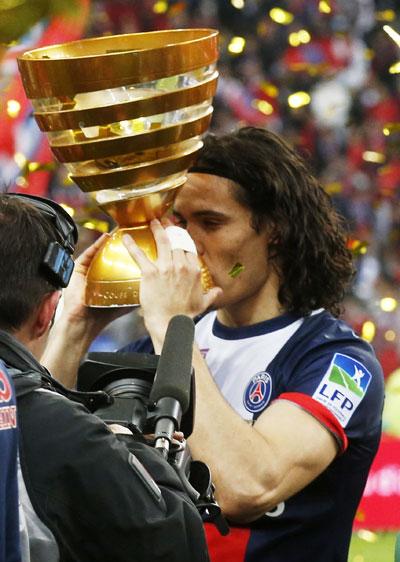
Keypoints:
(281, 16)
(367, 535)
(263, 106)
(334, 187)
(293, 39)
(391, 128)
(324, 7)
(357, 247)
(70, 210)
(237, 45)
(390, 335)
(238, 4)
(392, 34)
(160, 7)
(94, 224)
(33, 166)
(20, 159)
(13, 108)
(388, 304)
(385, 15)
(368, 331)
(374, 157)
(299, 99)
(269, 89)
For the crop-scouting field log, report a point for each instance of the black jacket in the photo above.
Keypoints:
(104, 500)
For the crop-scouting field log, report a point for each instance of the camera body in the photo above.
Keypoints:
(117, 388)
(127, 378)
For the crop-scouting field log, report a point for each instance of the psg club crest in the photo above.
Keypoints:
(258, 392)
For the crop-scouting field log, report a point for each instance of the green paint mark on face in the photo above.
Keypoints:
(236, 270)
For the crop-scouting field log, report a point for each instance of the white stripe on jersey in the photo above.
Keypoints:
(233, 362)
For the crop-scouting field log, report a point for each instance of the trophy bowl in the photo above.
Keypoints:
(125, 114)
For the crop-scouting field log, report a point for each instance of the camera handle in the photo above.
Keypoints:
(196, 480)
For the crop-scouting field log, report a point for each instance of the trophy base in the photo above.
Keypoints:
(113, 278)
(106, 294)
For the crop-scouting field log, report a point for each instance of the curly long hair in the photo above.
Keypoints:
(308, 245)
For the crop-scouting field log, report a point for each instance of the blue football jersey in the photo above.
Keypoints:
(319, 364)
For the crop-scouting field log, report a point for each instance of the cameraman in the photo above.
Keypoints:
(85, 494)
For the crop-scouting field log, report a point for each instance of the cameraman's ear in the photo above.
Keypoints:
(45, 313)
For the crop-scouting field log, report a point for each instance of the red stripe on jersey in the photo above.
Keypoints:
(321, 413)
(231, 548)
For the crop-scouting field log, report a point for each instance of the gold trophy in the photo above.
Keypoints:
(125, 114)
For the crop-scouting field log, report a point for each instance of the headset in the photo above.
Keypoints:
(57, 263)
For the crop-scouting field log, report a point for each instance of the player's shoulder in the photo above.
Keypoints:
(346, 358)
(325, 340)
(324, 331)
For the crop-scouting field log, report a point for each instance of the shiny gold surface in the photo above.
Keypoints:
(125, 114)
(160, 103)
(139, 211)
(139, 175)
(117, 145)
(113, 61)
(127, 93)
(100, 165)
(114, 277)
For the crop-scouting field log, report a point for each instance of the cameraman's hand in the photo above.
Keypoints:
(171, 285)
(75, 310)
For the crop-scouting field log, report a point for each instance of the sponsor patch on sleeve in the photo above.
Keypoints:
(343, 387)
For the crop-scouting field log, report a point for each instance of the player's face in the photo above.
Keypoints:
(221, 228)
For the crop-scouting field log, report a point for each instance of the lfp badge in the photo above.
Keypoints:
(258, 392)
(343, 387)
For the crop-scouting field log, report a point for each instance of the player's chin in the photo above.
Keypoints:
(219, 302)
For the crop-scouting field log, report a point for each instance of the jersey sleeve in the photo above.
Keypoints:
(341, 386)
(102, 500)
(142, 345)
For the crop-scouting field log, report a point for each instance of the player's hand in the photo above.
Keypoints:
(171, 285)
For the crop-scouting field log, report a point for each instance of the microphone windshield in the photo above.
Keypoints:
(174, 370)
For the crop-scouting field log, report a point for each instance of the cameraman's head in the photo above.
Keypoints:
(37, 239)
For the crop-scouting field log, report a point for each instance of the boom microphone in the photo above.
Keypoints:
(171, 388)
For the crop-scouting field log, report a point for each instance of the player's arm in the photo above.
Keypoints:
(254, 468)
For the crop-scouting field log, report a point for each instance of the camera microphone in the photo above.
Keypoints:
(171, 389)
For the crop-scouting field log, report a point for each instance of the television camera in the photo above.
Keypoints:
(153, 397)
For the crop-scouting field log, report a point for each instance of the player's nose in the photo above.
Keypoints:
(196, 238)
